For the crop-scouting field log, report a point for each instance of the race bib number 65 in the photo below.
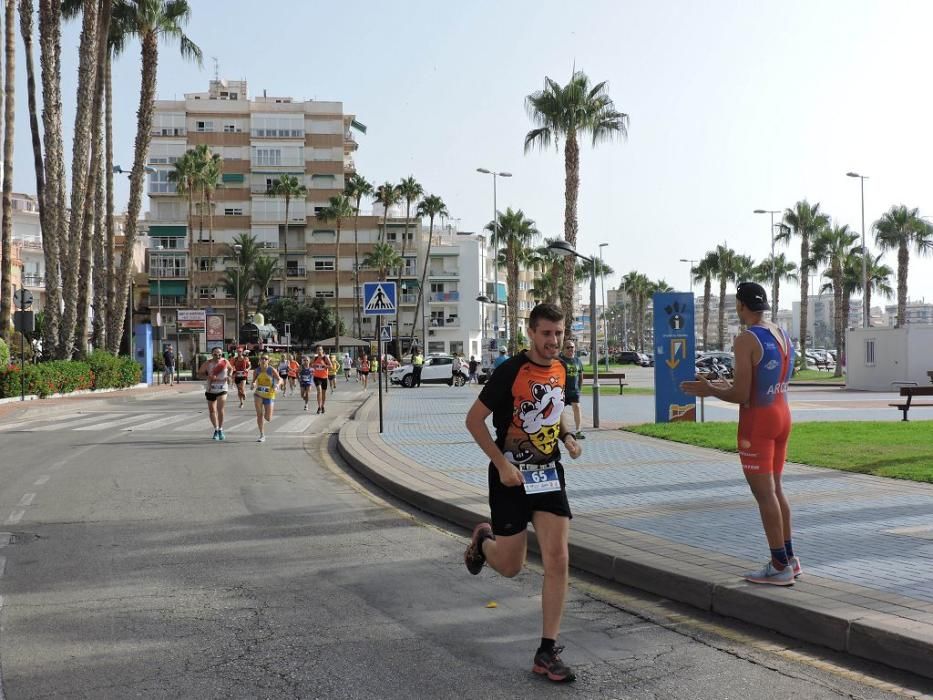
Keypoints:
(540, 478)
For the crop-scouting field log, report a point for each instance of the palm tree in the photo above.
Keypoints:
(636, 287)
(6, 229)
(431, 206)
(514, 234)
(549, 267)
(776, 270)
(412, 191)
(383, 258)
(357, 187)
(338, 208)
(287, 186)
(186, 176)
(210, 172)
(831, 247)
(725, 271)
(879, 279)
(804, 221)
(569, 112)
(265, 268)
(704, 271)
(901, 229)
(151, 21)
(388, 195)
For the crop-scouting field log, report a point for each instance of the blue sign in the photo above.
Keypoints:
(674, 356)
(379, 299)
(387, 334)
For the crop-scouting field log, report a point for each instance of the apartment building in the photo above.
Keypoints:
(915, 313)
(259, 139)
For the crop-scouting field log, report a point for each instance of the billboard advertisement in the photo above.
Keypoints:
(215, 327)
(191, 319)
(674, 356)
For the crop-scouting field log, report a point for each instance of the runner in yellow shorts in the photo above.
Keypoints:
(265, 381)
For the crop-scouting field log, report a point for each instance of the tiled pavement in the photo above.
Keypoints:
(681, 522)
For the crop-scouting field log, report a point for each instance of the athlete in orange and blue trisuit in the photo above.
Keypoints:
(763, 367)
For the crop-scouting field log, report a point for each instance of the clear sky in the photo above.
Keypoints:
(734, 106)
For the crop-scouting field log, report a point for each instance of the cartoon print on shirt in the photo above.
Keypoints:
(536, 422)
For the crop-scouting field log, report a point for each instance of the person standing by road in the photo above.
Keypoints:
(526, 479)
(265, 381)
(500, 360)
(574, 368)
(456, 368)
(215, 373)
(764, 363)
(241, 368)
(417, 366)
(474, 365)
(320, 366)
(168, 374)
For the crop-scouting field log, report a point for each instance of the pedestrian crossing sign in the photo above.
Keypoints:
(379, 298)
(386, 334)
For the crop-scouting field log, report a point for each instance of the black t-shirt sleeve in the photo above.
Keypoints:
(497, 391)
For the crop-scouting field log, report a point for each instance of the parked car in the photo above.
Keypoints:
(437, 369)
(630, 357)
(649, 358)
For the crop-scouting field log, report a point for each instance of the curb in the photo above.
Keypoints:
(816, 612)
(79, 392)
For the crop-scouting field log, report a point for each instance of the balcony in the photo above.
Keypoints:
(169, 273)
(34, 281)
(409, 299)
(445, 296)
(296, 272)
(444, 323)
(168, 300)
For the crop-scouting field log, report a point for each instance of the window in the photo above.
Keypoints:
(437, 318)
(870, 353)
(456, 346)
(205, 293)
(277, 125)
(435, 347)
(229, 128)
(204, 126)
(233, 211)
(323, 264)
(160, 184)
(204, 264)
(268, 156)
(168, 124)
(168, 243)
(437, 287)
(321, 294)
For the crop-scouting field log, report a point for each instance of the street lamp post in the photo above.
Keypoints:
(236, 249)
(692, 263)
(563, 248)
(495, 230)
(866, 312)
(602, 285)
(774, 282)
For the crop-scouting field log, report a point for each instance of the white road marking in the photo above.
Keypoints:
(73, 422)
(201, 422)
(160, 423)
(42, 480)
(107, 425)
(2, 566)
(15, 517)
(27, 499)
(295, 425)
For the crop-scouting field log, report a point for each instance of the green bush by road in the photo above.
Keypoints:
(100, 371)
(893, 449)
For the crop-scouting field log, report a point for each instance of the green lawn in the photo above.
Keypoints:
(815, 375)
(893, 449)
(611, 387)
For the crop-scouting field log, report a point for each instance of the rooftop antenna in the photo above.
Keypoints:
(216, 68)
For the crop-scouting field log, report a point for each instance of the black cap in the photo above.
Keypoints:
(753, 296)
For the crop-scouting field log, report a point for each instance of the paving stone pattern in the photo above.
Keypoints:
(843, 522)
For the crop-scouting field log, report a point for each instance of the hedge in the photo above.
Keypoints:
(99, 371)
(4, 355)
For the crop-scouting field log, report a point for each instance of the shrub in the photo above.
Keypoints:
(111, 372)
(4, 355)
(100, 371)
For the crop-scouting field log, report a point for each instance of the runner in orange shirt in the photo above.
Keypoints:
(241, 368)
(320, 366)
(293, 368)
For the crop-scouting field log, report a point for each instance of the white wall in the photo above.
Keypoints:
(901, 355)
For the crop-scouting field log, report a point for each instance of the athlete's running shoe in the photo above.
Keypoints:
(261, 438)
(795, 565)
(549, 663)
(473, 556)
(770, 575)
(215, 435)
(306, 405)
(579, 435)
(220, 435)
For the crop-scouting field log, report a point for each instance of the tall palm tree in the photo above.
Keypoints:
(6, 228)
(338, 208)
(210, 174)
(776, 270)
(831, 247)
(704, 271)
(265, 269)
(289, 187)
(431, 206)
(388, 195)
(549, 271)
(151, 21)
(186, 176)
(879, 279)
(901, 229)
(383, 258)
(725, 271)
(356, 188)
(636, 287)
(514, 234)
(805, 221)
(411, 191)
(569, 112)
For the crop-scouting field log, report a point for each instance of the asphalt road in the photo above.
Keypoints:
(148, 561)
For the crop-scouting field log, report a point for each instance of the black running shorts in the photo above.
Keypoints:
(212, 396)
(512, 508)
(321, 382)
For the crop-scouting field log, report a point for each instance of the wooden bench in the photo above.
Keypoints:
(930, 375)
(588, 376)
(910, 392)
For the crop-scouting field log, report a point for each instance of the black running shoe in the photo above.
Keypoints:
(550, 664)
(473, 556)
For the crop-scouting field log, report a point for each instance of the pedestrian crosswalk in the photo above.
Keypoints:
(165, 423)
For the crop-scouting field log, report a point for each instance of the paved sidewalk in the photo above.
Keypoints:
(680, 522)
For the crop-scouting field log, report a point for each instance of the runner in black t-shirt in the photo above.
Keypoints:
(525, 396)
